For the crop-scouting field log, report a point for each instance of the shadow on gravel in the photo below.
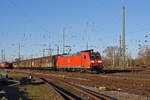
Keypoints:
(9, 89)
(10, 92)
(119, 71)
(6, 83)
(27, 81)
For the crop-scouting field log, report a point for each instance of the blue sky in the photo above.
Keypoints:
(37, 23)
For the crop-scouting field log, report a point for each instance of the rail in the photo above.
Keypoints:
(64, 93)
(91, 95)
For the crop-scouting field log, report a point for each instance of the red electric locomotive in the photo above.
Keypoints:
(83, 60)
(6, 65)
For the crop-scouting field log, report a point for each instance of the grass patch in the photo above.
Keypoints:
(16, 76)
(38, 90)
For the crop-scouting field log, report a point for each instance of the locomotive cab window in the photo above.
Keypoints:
(95, 56)
(92, 56)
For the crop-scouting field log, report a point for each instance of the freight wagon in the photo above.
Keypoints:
(37, 63)
(84, 60)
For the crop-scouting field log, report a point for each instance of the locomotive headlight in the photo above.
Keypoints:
(92, 61)
(99, 61)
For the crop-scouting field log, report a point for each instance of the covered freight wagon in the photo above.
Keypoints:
(35, 63)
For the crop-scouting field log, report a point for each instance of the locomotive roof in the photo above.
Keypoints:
(91, 50)
(77, 54)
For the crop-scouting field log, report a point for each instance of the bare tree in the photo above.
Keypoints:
(144, 55)
(111, 56)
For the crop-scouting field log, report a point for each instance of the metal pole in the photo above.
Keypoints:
(19, 53)
(87, 45)
(49, 53)
(113, 65)
(49, 50)
(123, 33)
(19, 56)
(120, 60)
(64, 40)
(57, 49)
(87, 37)
(2, 55)
(43, 52)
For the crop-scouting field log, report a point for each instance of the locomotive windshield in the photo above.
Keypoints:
(95, 56)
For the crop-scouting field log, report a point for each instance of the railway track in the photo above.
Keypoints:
(76, 93)
(92, 93)
(66, 95)
(111, 82)
(70, 91)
